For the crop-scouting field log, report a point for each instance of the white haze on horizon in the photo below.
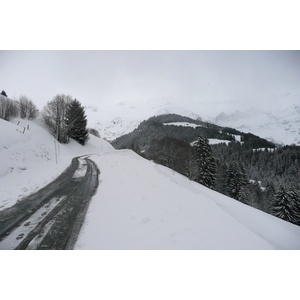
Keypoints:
(217, 81)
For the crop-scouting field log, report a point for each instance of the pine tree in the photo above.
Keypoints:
(295, 200)
(286, 205)
(256, 194)
(3, 94)
(268, 196)
(244, 195)
(76, 122)
(220, 182)
(205, 162)
(244, 178)
(233, 181)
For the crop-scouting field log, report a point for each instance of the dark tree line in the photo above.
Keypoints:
(265, 179)
(172, 153)
(196, 162)
(279, 166)
(274, 174)
(229, 175)
(154, 128)
(238, 170)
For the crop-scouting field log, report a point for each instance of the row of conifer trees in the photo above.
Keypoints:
(227, 176)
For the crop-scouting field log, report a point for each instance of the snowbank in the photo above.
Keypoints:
(141, 205)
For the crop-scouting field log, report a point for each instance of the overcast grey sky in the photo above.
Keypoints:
(228, 77)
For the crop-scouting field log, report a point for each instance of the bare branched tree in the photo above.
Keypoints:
(8, 108)
(54, 116)
(27, 108)
(32, 110)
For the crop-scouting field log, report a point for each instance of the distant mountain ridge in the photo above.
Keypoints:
(282, 127)
(278, 123)
(185, 129)
(115, 120)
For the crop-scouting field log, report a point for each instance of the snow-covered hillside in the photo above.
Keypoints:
(156, 208)
(138, 204)
(115, 120)
(282, 127)
(31, 158)
(279, 122)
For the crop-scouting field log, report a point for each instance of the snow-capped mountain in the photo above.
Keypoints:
(281, 127)
(278, 122)
(115, 120)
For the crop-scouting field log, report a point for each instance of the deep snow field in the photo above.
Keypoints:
(142, 205)
(138, 204)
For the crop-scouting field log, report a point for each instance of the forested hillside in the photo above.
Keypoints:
(240, 165)
(184, 129)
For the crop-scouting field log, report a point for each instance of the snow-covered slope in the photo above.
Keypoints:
(115, 120)
(278, 122)
(282, 127)
(138, 204)
(30, 158)
(141, 205)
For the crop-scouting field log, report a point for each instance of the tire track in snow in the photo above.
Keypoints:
(52, 217)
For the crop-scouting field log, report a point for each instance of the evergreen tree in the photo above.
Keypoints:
(76, 122)
(256, 194)
(294, 197)
(3, 94)
(268, 196)
(233, 181)
(220, 182)
(205, 162)
(244, 195)
(244, 178)
(286, 205)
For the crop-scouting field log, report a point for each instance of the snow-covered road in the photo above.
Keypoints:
(52, 217)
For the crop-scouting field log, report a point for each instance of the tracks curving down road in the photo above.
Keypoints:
(52, 217)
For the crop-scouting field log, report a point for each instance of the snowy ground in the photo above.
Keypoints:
(141, 205)
(217, 141)
(138, 204)
(183, 124)
(29, 160)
